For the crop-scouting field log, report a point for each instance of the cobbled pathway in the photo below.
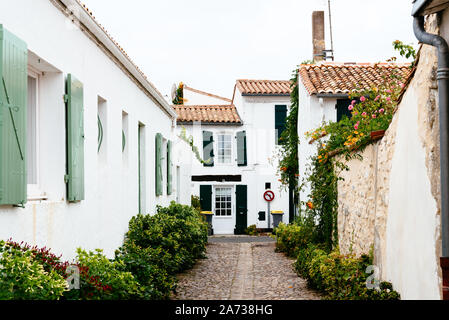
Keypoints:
(243, 268)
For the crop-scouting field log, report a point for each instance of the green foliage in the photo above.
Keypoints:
(291, 238)
(157, 247)
(340, 277)
(195, 203)
(405, 50)
(179, 98)
(113, 283)
(288, 163)
(190, 142)
(252, 230)
(23, 278)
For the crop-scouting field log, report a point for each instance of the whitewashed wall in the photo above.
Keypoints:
(312, 112)
(111, 183)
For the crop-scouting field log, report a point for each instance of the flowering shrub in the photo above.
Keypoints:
(24, 278)
(340, 277)
(373, 111)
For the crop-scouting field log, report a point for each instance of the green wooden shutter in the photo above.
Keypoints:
(241, 149)
(241, 202)
(75, 139)
(206, 197)
(13, 118)
(208, 148)
(169, 168)
(159, 164)
(280, 119)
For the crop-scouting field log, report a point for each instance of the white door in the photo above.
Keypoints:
(224, 218)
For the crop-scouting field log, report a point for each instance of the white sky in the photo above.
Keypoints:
(208, 44)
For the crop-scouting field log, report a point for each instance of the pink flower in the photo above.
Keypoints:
(388, 99)
(374, 116)
(355, 113)
(350, 107)
(364, 114)
(353, 102)
(388, 91)
(356, 127)
(362, 98)
(381, 110)
(377, 98)
(402, 85)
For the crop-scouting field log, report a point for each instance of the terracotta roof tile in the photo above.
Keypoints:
(208, 114)
(340, 78)
(264, 87)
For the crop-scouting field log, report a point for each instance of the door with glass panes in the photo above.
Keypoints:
(224, 217)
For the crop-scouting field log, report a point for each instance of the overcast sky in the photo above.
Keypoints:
(208, 44)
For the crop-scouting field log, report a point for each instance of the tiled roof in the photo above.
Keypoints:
(223, 114)
(340, 78)
(264, 87)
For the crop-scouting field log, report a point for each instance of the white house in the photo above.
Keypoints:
(239, 141)
(323, 97)
(85, 138)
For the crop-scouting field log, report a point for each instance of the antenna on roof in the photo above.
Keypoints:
(332, 38)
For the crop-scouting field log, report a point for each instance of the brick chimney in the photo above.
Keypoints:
(319, 43)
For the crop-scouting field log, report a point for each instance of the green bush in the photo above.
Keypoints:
(107, 276)
(340, 277)
(23, 278)
(252, 230)
(291, 238)
(159, 246)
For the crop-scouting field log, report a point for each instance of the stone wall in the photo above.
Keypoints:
(390, 199)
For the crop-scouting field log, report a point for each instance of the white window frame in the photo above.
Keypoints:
(232, 188)
(217, 156)
(34, 191)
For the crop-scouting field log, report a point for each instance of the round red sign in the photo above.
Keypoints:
(268, 195)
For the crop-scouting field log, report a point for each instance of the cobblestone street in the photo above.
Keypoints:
(243, 268)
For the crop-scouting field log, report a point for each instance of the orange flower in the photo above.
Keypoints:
(310, 205)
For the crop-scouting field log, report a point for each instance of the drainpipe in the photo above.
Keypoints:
(443, 96)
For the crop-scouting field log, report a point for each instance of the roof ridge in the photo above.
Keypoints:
(206, 93)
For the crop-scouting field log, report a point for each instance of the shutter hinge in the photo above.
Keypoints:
(66, 98)
(66, 178)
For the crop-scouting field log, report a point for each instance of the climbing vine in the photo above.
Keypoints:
(288, 164)
(190, 142)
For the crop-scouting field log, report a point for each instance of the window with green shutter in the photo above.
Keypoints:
(159, 190)
(13, 118)
(169, 167)
(75, 139)
(280, 119)
(208, 148)
(241, 149)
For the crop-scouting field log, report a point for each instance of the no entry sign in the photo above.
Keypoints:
(268, 195)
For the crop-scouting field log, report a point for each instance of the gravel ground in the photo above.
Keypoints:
(243, 268)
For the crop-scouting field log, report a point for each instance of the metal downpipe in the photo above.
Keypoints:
(443, 92)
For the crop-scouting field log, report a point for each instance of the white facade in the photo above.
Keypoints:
(114, 90)
(258, 117)
(197, 97)
(312, 113)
